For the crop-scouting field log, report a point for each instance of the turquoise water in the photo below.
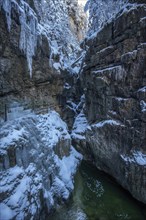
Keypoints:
(97, 197)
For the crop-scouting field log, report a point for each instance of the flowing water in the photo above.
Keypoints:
(97, 197)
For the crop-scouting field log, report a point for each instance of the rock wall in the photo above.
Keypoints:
(16, 85)
(114, 82)
(37, 161)
(34, 54)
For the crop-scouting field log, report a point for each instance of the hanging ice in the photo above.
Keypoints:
(29, 27)
(28, 35)
(7, 8)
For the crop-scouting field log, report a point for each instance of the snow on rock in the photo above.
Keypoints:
(143, 106)
(106, 122)
(67, 86)
(104, 11)
(143, 89)
(137, 157)
(6, 212)
(79, 127)
(12, 136)
(117, 72)
(67, 167)
(53, 128)
(37, 164)
(71, 105)
(76, 70)
(62, 35)
(63, 184)
(57, 66)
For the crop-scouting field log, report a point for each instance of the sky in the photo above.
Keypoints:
(82, 2)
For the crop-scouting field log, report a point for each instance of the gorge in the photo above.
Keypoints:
(67, 94)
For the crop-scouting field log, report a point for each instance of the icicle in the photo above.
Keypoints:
(6, 4)
(28, 36)
(29, 27)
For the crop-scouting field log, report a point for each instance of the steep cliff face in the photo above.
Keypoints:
(16, 83)
(38, 72)
(114, 80)
(37, 160)
(35, 51)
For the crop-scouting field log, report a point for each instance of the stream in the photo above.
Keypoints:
(97, 196)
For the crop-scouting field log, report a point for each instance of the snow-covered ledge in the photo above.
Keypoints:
(33, 176)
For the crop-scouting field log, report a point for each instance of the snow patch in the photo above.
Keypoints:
(143, 106)
(139, 157)
(68, 166)
(143, 89)
(106, 122)
(79, 127)
(38, 169)
(52, 128)
(136, 157)
(57, 66)
(76, 70)
(67, 86)
(5, 212)
(12, 137)
(113, 68)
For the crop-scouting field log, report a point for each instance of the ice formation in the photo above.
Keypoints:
(53, 23)
(29, 27)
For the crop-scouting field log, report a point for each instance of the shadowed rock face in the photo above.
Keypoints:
(136, 1)
(114, 79)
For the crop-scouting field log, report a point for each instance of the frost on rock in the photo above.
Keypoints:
(32, 169)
